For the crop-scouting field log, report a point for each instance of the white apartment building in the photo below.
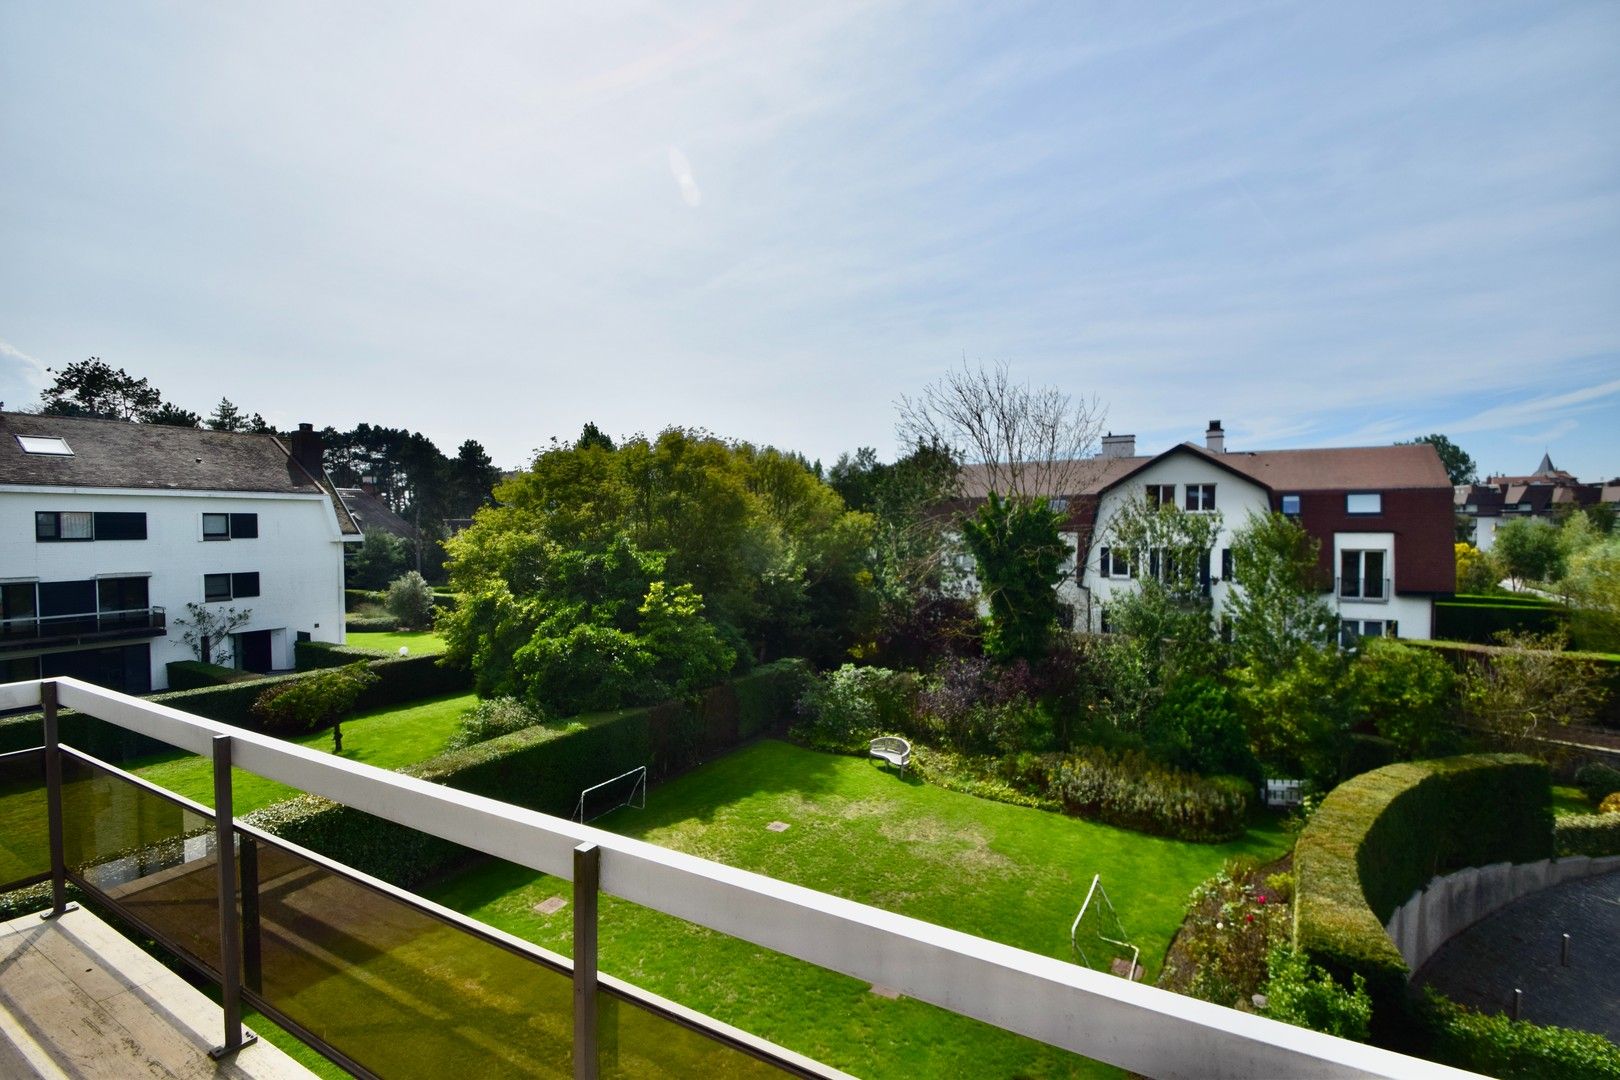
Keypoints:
(109, 529)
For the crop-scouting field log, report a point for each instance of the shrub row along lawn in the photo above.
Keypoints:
(1004, 872)
(388, 738)
(419, 642)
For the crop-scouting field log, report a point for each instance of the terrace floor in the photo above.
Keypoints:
(77, 999)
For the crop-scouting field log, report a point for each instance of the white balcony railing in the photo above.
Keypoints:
(1135, 1027)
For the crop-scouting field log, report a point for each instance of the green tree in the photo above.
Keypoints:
(1477, 571)
(170, 415)
(1020, 556)
(227, 417)
(207, 630)
(1408, 695)
(96, 389)
(1278, 609)
(1592, 584)
(380, 559)
(1169, 610)
(305, 704)
(1459, 466)
(592, 436)
(1529, 550)
(473, 477)
(1297, 716)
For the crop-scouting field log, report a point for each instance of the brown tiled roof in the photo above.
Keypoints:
(119, 454)
(1373, 468)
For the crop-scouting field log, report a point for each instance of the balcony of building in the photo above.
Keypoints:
(385, 983)
(51, 631)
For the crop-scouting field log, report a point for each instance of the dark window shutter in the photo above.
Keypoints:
(244, 526)
(120, 526)
(245, 585)
(1104, 566)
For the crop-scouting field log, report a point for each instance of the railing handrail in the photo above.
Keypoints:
(1101, 1016)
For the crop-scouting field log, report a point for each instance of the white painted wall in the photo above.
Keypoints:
(298, 555)
(1235, 500)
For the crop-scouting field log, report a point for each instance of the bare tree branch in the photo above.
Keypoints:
(1030, 441)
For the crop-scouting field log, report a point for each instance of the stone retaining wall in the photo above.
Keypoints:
(1448, 905)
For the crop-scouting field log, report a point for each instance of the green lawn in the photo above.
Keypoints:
(387, 738)
(1008, 873)
(1570, 800)
(419, 642)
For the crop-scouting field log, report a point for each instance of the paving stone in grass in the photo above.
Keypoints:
(550, 906)
(885, 991)
(778, 826)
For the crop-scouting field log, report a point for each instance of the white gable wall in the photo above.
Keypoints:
(1236, 498)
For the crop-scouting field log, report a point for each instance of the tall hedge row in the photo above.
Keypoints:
(403, 679)
(1481, 620)
(543, 768)
(1378, 838)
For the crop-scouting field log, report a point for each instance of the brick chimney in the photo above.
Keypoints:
(1215, 438)
(1118, 445)
(306, 449)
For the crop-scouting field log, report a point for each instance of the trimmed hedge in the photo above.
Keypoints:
(1597, 780)
(1587, 834)
(1378, 838)
(402, 679)
(1479, 620)
(1461, 653)
(194, 674)
(541, 768)
(381, 624)
(1134, 791)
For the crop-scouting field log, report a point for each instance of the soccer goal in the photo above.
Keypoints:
(1098, 937)
(626, 789)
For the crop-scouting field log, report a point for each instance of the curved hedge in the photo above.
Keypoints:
(1380, 837)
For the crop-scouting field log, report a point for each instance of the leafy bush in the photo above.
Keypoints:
(1405, 693)
(1132, 790)
(1196, 727)
(1527, 688)
(844, 709)
(1381, 836)
(314, 700)
(1597, 780)
(492, 719)
(410, 600)
(1587, 834)
(1301, 994)
(1610, 803)
(1514, 1049)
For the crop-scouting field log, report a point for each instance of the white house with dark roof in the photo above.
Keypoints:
(109, 529)
(1381, 514)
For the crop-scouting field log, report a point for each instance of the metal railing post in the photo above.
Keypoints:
(230, 940)
(587, 875)
(53, 803)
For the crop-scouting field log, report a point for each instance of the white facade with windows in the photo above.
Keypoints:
(1188, 483)
(1364, 585)
(94, 581)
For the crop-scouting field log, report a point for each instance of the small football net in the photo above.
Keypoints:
(626, 789)
(1099, 939)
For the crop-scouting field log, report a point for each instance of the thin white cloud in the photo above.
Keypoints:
(22, 376)
(1538, 410)
(681, 170)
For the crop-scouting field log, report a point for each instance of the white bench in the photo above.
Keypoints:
(893, 749)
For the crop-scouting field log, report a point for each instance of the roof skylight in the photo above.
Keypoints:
(44, 444)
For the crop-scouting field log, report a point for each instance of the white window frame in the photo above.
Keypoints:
(1385, 579)
(1203, 495)
(1155, 495)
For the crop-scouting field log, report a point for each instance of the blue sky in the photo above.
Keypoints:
(1322, 223)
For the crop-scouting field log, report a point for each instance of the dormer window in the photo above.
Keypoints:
(1364, 502)
(44, 444)
(1290, 505)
